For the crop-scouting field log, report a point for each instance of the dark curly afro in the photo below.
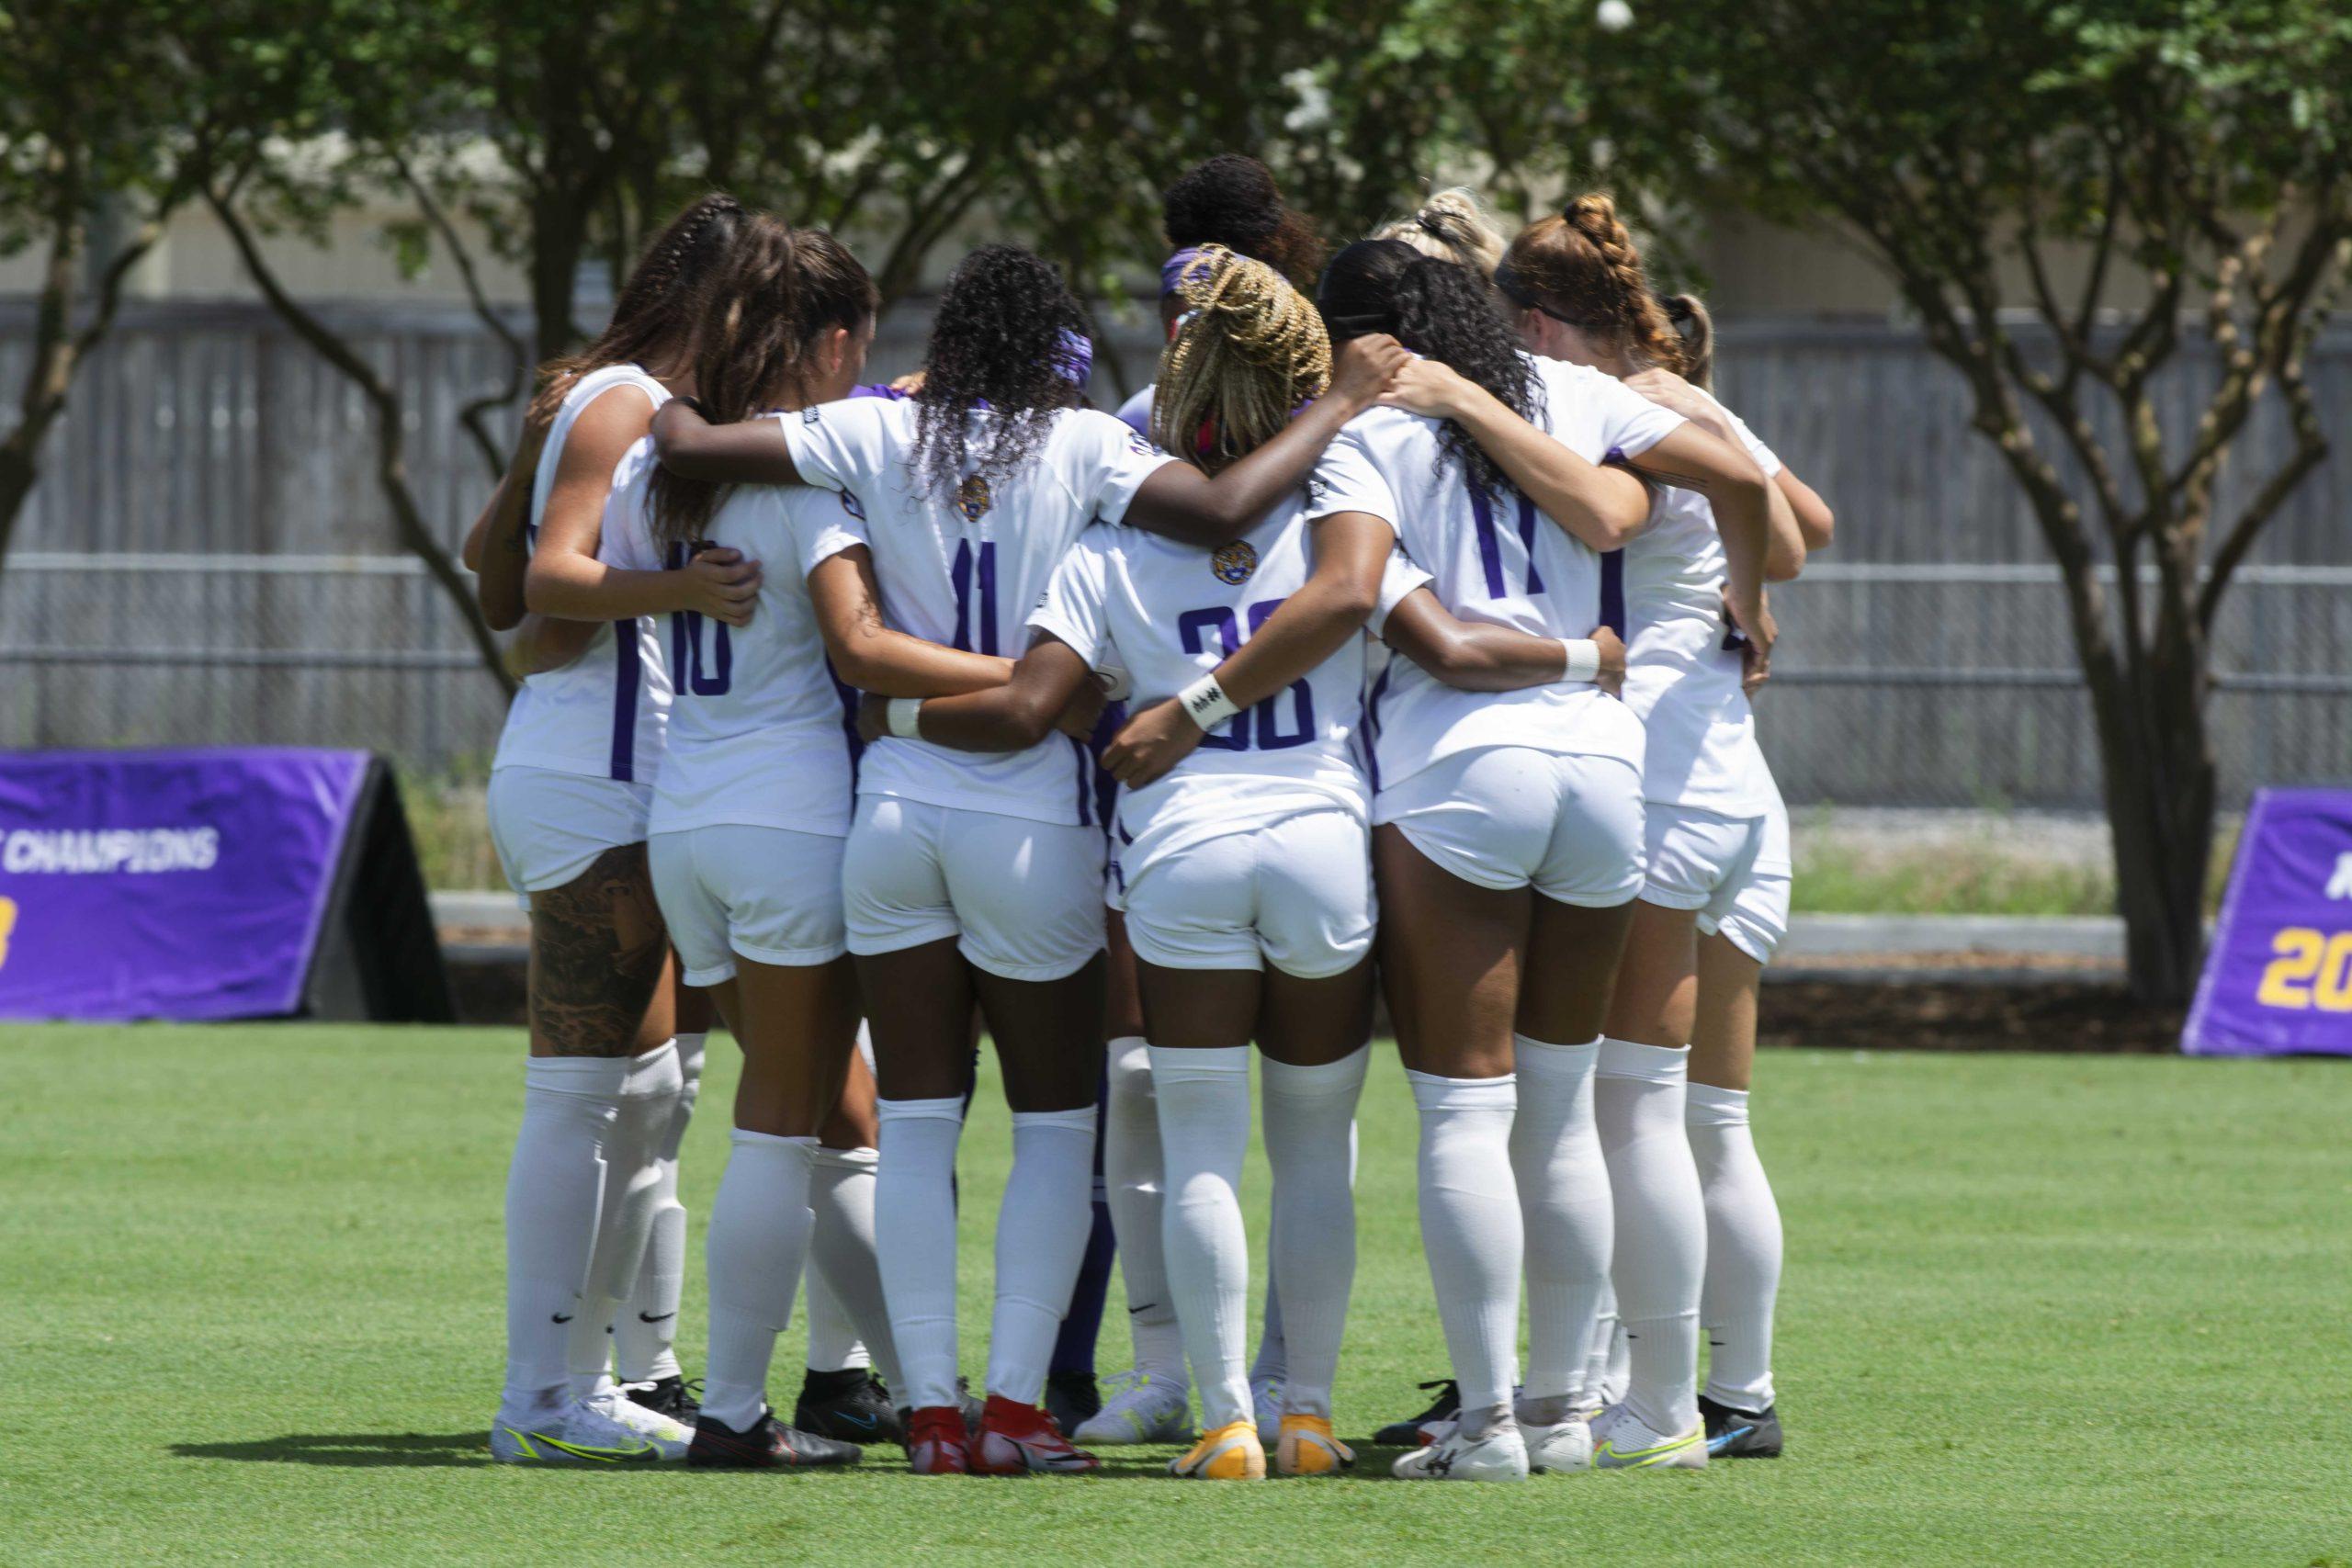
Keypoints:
(1438, 310)
(996, 339)
(1232, 200)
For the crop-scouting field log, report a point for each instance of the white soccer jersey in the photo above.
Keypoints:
(603, 713)
(757, 733)
(962, 569)
(1682, 680)
(1174, 612)
(1493, 558)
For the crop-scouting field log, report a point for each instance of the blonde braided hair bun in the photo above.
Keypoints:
(1247, 352)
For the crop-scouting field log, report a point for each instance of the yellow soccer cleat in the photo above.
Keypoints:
(1232, 1453)
(1307, 1448)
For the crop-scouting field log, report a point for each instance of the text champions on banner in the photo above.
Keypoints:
(188, 885)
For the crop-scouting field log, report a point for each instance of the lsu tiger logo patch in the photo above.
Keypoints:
(1233, 564)
(972, 498)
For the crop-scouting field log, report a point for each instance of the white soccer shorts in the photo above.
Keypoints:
(1296, 894)
(1024, 898)
(1752, 908)
(548, 826)
(731, 891)
(1505, 817)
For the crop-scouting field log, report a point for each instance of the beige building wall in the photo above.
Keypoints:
(1755, 269)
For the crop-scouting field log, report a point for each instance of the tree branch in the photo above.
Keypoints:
(474, 415)
(391, 476)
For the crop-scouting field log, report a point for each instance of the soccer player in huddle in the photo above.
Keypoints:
(1558, 910)
(972, 879)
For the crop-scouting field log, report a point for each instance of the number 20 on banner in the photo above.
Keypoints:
(2312, 969)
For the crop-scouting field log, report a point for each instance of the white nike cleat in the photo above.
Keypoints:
(579, 1433)
(1143, 1408)
(1621, 1441)
(1560, 1447)
(652, 1425)
(1500, 1455)
(1266, 1404)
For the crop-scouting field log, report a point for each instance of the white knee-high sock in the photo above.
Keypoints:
(847, 1280)
(1564, 1198)
(1205, 1127)
(914, 1219)
(1661, 1227)
(648, 1100)
(1597, 1389)
(1272, 1359)
(833, 1344)
(1472, 1232)
(555, 1195)
(1743, 1273)
(1133, 1184)
(644, 1335)
(1041, 1233)
(758, 1241)
(1310, 1119)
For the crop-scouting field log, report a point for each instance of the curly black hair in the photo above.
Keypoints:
(996, 339)
(1436, 308)
(1232, 200)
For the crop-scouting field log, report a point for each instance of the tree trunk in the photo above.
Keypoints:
(2160, 785)
(558, 239)
(17, 475)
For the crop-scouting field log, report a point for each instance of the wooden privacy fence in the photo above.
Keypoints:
(207, 559)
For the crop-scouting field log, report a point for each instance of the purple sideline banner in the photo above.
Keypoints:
(2277, 977)
(187, 884)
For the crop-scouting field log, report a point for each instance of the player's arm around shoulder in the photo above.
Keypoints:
(1051, 687)
(1352, 550)
(875, 656)
(1479, 657)
(567, 578)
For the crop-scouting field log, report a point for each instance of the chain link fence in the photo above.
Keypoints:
(1909, 685)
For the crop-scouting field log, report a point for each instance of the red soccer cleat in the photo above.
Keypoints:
(1017, 1439)
(936, 1442)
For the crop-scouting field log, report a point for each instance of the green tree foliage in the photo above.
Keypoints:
(2168, 183)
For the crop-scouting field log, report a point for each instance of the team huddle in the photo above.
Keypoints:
(1401, 635)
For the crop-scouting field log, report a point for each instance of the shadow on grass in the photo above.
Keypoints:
(451, 1449)
(1371, 1465)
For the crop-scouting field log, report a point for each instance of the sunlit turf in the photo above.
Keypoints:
(2038, 1309)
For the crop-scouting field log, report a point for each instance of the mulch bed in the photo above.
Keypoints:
(1944, 1015)
(1862, 1013)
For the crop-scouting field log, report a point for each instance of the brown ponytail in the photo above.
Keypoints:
(1583, 267)
(777, 290)
(1697, 330)
(655, 312)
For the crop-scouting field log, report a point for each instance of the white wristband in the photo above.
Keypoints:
(1584, 658)
(1206, 702)
(899, 716)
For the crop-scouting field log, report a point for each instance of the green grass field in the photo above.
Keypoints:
(2038, 1309)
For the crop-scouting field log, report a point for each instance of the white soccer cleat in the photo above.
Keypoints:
(614, 1406)
(579, 1432)
(1622, 1441)
(1266, 1404)
(1142, 1409)
(1500, 1455)
(1560, 1447)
